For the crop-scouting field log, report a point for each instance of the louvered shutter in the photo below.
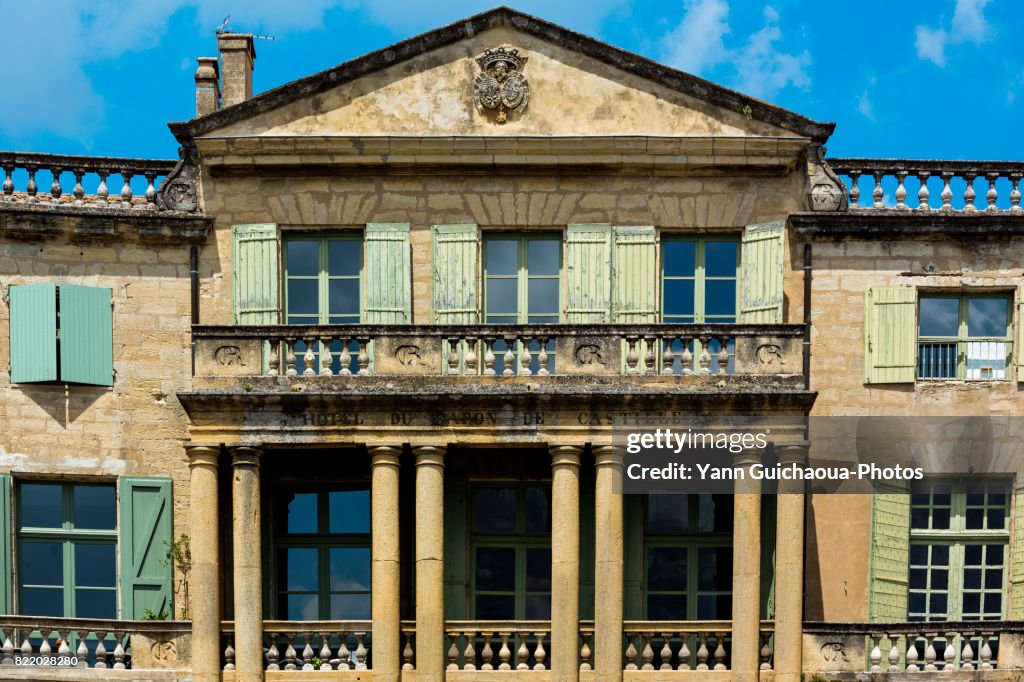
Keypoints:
(634, 276)
(5, 544)
(388, 271)
(761, 265)
(86, 335)
(456, 281)
(890, 335)
(1016, 610)
(33, 333)
(890, 554)
(588, 251)
(1019, 352)
(146, 532)
(254, 274)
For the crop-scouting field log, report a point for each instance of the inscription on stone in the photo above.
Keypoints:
(164, 652)
(589, 354)
(770, 354)
(834, 652)
(408, 355)
(229, 356)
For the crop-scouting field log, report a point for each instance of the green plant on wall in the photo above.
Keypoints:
(180, 552)
(149, 615)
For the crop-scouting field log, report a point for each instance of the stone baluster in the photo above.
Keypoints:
(102, 191)
(274, 358)
(31, 189)
(326, 359)
(632, 358)
(705, 356)
(363, 359)
(487, 654)
(78, 191)
(55, 189)
(666, 651)
(855, 189)
(723, 356)
(325, 651)
(26, 650)
(648, 653)
(766, 652)
(650, 360)
(525, 358)
(912, 655)
(585, 652)
(229, 657)
(345, 359)
(949, 653)
(878, 193)
(929, 652)
(702, 652)
(509, 359)
(504, 653)
(344, 655)
(686, 359)
(289, 358)
(453, 651)
(894, 652)
(923, 195)
(523, 653)
(309, 358)
(684, 652)
(540, 654)
(101, 652)
(668, 360)
(126, 188)
(630, 653)
(44, 647)
(307, 653)
(8, 186)
(407, 651)
(542, 357)
(472, 368)
(967, 655)
(875, 655)
(969, 193)
(83, 651)
(289, 653)
(150, 189)
(986, 652)
(453, 355)
(119, 653)
(947, 192)
(63, 650)
(469, 653)
(489, 356)
(361, 651)
(901, 191)
(720, 651)
(273, 654)
(992, 194)
(1015, 179)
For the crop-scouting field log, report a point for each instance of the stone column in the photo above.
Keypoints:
(789, 568)
(746, 572)
(204, 531)
(565, 562)
(608, 567)
(430, 643)
(245, 493)
(385, 563)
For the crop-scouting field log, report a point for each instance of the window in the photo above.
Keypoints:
(522, 285)
(61, 333)
(959, 534)
(963, 337)
(688, 557)
(67, 550)
(322, 541)
(511, 551)
(699, 285)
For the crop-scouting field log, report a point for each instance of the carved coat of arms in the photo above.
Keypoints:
(501, 86)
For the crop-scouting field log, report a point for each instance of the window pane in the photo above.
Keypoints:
(495, 607)
(298, 569)
(42, 602)
(350, 607)
(543, 256)
(495, 569)
(343, 256)
(303, 297)
(668, 513)
(679, 298)
(349, 511)
(95, 565)
(42, 563)
(302, 513)
(542, 296)
(94, 507)
(720, 299)
(714, 607)
(538, 510)
(714, 569)
(720, 259)
(940, 317)
(302, 257)
(343, 297)
(680, 258)
(95, 604)
(538, 569)
(502, 257)
(40, 505)
(666, 568)
(501, 296)
(714, 513)
(495, 510)
(666, 607)
(302, 607)
(986, 317)
(350, 569)
(538, 607)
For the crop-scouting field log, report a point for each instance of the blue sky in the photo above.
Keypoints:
(917, 78)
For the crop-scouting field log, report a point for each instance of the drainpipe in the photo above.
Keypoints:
(193, 273)
(807, 316)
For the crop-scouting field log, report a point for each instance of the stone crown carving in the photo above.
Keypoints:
(501, 86)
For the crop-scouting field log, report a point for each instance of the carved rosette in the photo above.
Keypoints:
(501, 86)
(178, 192)
(828, 192)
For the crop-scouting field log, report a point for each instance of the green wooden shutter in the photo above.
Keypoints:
(890, 335)
(146, 531)
(634, 276)
(388, 270)
(1016, 610)
(456, 541)
(86, 335)
(254, 282)
(588, 256)
(761, 265)
(456, 251)
(890, 554)
(33, 333)
(5, 544)
(1019, 352)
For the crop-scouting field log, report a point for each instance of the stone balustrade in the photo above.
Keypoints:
(498, 645)
(60, 180)
(944, 186)
(308, 645)
(686, 351)
(684, 645)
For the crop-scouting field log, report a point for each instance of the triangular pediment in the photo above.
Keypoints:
(577, 87)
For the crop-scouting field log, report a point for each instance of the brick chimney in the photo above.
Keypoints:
(237, 54)
(207, 86)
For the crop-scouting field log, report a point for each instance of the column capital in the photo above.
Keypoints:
(565, 455)
(429, 455)
(608, 455)
(747, 457)
(384, 455)
(203, 455)
(246, 455)
(792, 452)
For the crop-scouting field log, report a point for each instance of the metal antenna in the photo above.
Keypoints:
(223, 25)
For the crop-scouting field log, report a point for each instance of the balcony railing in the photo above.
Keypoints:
(85, 181)
(695, 351)
(498, 645)
(308, 645)
(944, 186)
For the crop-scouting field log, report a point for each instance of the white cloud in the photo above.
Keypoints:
(968, 25)
(864, 106)
(760, 67)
